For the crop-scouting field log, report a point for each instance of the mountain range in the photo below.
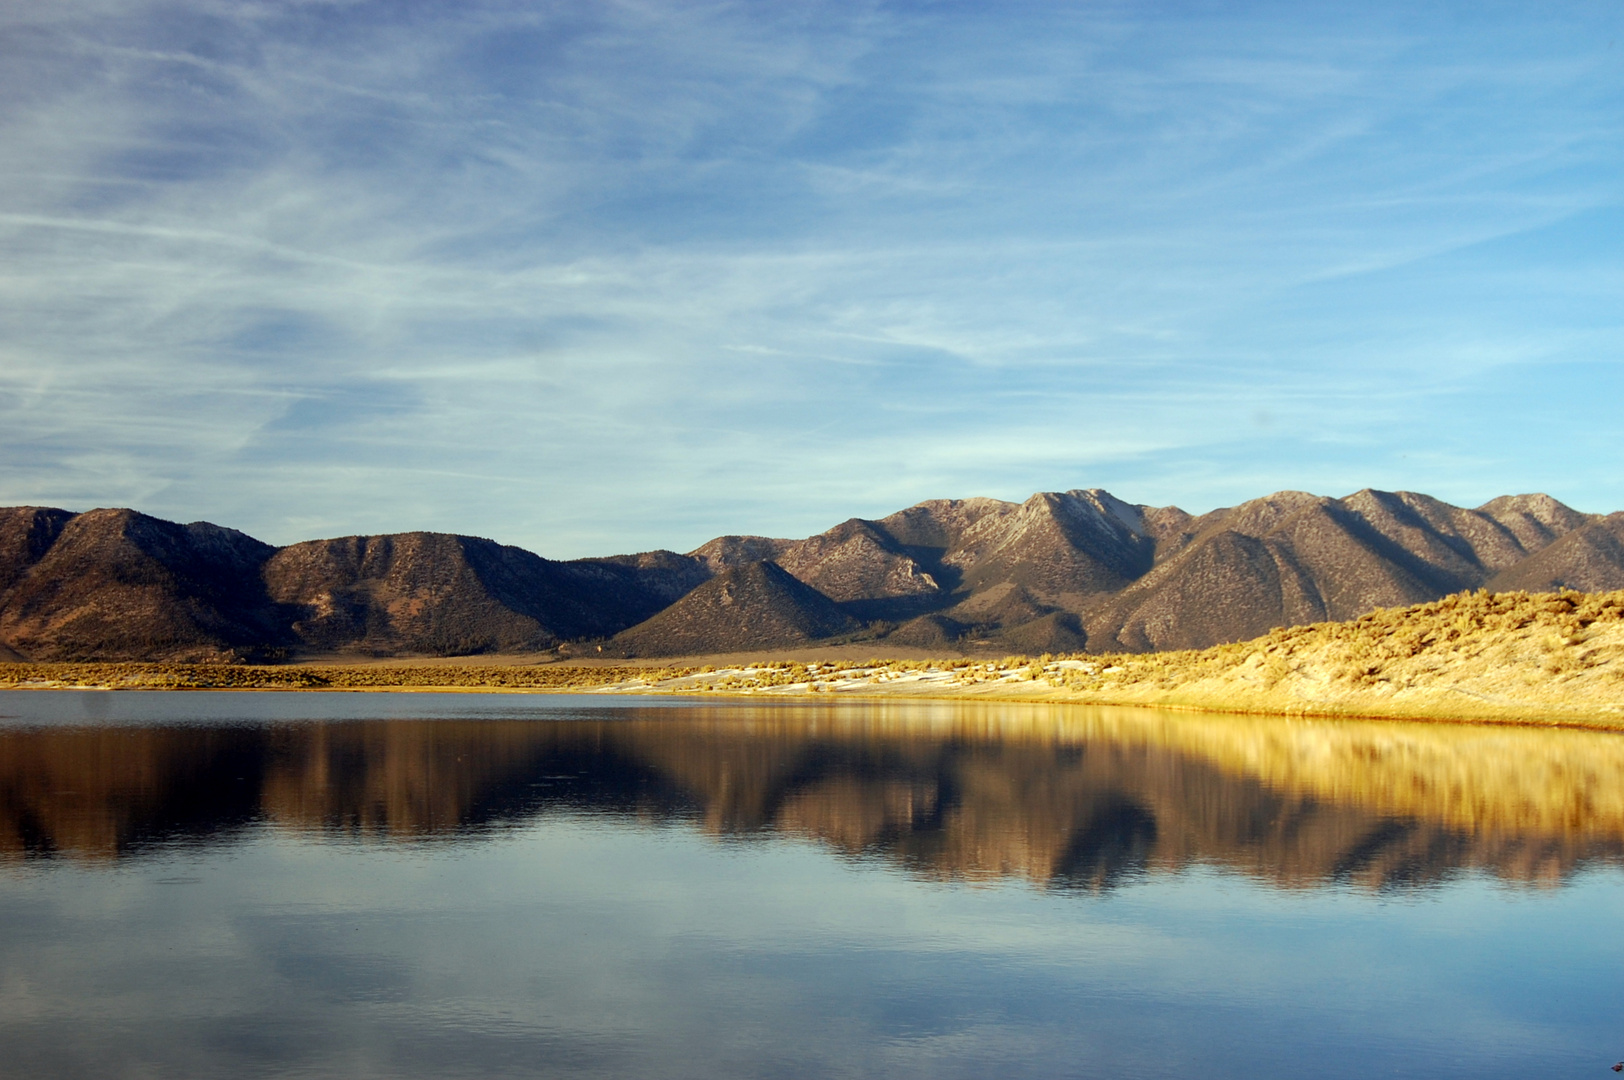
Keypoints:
(1060, 572)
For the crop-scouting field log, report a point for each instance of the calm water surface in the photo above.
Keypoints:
(360, 885)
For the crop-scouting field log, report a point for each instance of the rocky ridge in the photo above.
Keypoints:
(1060, 572)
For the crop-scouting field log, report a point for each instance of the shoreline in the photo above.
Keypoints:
(1004, 691)
(1549, 659)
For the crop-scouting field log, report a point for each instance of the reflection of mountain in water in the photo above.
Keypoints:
(1073, 798)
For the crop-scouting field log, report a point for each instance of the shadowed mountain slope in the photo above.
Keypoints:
(1056, 544)
(1295, 558)
(1059, 572)
(1588, 559)
(1535, 520)
(1083, 565)
(982, 565)
(857, 562)
(755, 606)
(440, 594)
(116, 584)
(26, 534)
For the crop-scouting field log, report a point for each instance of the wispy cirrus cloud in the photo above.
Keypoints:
(615, 275)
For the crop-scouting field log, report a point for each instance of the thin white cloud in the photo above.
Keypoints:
(516, 268)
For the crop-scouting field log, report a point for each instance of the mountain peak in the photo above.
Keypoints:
(1053, 571)
(758, 605)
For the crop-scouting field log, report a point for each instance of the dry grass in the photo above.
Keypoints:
(1551, 657)
(132, 676)
(1504, 656)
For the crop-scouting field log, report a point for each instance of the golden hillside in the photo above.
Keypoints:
(1512, 657)
(1502, 656)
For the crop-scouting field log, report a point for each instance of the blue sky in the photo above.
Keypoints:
(598, 277)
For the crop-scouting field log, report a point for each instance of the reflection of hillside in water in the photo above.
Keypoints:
(1069, 797)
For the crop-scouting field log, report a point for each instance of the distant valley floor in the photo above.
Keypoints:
(1551, 658)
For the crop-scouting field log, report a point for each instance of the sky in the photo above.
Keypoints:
(594, 277)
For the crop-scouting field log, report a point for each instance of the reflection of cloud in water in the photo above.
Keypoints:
(1064, 796)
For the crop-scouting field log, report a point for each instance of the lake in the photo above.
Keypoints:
(403, 885)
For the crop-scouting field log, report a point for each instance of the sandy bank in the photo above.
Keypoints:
(1554, 658)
